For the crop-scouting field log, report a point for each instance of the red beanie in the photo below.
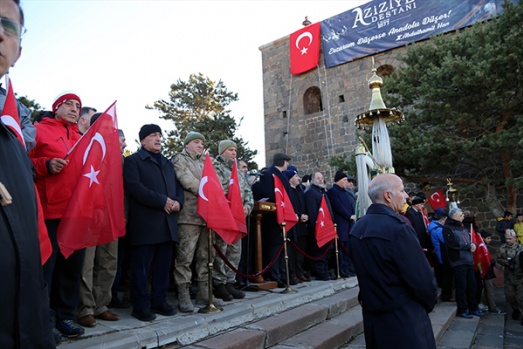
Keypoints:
(65, 96)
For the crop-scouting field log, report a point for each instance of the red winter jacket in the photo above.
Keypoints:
(54, 138)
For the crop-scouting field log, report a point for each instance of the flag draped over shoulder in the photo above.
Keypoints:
(482, 257)
(236, 203)
(305, 48)
(437, 200)
(325, 230)
(284, 210)
(11, 119)
(213, 206)
(95, 212)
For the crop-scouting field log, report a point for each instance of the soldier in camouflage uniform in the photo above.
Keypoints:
(508, 256)
(223, 276)
(194, 240)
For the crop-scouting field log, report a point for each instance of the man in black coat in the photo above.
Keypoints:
(24, 297)
(272, 231)
(313, 195)
(397, 287)
(155, 198)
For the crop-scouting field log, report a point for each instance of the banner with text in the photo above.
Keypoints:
(383, 25)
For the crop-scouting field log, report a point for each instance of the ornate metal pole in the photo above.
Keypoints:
(210, 308)
(287, 289)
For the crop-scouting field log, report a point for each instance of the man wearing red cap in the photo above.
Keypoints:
(54, 138)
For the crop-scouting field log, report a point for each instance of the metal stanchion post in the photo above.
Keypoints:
(287, 289)
(210, 308)
(337, 252)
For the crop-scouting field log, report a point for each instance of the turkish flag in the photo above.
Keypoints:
(236, 203)
(482, 257)
(213, 206)
(438, 200)
(95, 212)
(305, 48)
(325, 230)
(284, 210)
(11, 119)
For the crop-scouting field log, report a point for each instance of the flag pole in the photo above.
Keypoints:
(337, 252)
(287, 289)
(210, 308)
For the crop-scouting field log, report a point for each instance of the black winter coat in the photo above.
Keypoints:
(24, 297)
(148, 182)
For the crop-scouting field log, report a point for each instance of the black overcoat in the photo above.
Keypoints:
(148, 182)
(24, 297)
(397, 286)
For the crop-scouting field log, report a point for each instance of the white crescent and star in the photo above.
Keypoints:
(277, 190)
(303, 49)
(437, 199)
(92, 174)
(322, 223)
(202, 185)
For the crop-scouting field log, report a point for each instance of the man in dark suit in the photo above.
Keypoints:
(155, 198)
(272, 232)
(397, 287)
(343, 206)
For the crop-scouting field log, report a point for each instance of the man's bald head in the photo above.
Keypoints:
(387, 189)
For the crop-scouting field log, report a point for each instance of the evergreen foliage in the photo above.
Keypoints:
(201, 104)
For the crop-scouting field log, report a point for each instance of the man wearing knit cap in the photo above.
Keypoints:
(194, 239)
(272, 233)
(54, 138)
(155, 200)
(224, 277)
(343, 206)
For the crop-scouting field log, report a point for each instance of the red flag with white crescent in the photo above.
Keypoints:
(95, 212)
(11, 119)
(305, 48)
(284, 210)
(482, 257)
(325, 230)
(213, 206)
(236, 203)
(437, 200)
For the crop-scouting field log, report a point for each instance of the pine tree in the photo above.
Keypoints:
(462, 94)
(201, 104)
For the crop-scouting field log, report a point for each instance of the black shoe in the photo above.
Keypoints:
(119, 303)
(144, 315)
(237, 294)
(515, 314)
(221, 292)
(69, 329)
(465, 315)
(281, 284)
(165, 310)
(324, 278)
(57, 336)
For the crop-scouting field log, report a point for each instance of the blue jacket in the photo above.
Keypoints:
(436, 235)
(343, 207)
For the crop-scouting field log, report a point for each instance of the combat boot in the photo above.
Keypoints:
(184, 299)
(202, 297)
(237, 294)
(221, 292)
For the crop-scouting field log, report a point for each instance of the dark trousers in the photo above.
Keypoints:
(62, 277)
(123, 264)
(155, 259)
(465, 288)
(346, 266)
(274, 272)
(443, 273)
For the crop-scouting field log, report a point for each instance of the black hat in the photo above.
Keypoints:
(339, 176)
(439, 213)
(148, 129)
(279, 159)
(422, 195)
(506, 214)
(417, 200)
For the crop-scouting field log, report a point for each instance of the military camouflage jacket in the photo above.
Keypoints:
(223, 169)
(189, 167)
(505, 252)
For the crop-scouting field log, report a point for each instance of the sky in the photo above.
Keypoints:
(131, 51)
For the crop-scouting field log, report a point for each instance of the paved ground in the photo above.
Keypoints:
(184, 329)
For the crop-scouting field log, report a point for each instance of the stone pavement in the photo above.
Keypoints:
(185, 329)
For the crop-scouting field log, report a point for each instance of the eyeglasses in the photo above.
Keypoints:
(12, 28)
